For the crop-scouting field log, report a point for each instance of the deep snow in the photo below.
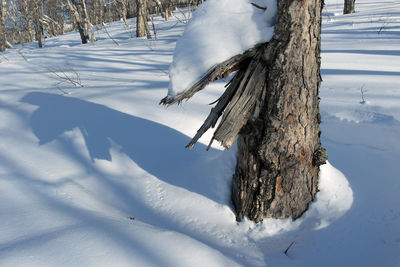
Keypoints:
(77, 162)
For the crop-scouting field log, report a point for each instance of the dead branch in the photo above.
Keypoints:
(257, 6)
(287, 249)
(219, 71)
(237, 102)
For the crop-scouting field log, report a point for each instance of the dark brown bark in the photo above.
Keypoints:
(279, 149)
(348, 6)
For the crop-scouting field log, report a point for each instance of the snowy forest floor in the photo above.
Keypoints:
(93, 172)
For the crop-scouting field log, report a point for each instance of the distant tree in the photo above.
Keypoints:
(79, 11)
(3, 38)
(272, 103)
(26, 19)
(37, 15)
(348, 6)
(123, 10)
(142, 28)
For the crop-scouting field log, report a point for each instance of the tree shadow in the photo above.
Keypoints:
(156, 148)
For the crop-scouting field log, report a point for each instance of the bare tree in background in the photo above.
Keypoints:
(3, 38)
(142, 28)
(37, 16)
(349, 6)
(79, 11)
(26, 18)
(123, 10)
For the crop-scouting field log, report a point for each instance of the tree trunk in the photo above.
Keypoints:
(279, 149)
(142, 28)
(37, 16)
(123, 11)
(27, 19)
(78, 10)
(348, 6)
(3, 26)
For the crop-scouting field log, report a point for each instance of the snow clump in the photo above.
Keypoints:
(218, 30)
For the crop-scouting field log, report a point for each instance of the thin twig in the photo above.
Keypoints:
(257, 6)
(287, 249)
(109, 36)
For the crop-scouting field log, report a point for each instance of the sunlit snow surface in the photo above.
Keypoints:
(219, 30)
(99, 176)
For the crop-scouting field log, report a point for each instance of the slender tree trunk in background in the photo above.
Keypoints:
(77, 11)
(159, 8)
(142, 28)
(279, 149)
(167, 10)
(3, 26)
(27, 18)
(37, 16)
(348, 6)
(123, 11)
(86, 22)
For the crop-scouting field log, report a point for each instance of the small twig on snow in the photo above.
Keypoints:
(287, 249)
(109, 36)
(257, 6)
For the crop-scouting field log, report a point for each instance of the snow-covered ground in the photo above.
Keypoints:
(93, 172)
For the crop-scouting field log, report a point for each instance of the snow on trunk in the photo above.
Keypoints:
(218, 30)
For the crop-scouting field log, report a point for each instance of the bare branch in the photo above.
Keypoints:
(219, 71)
(257, 6)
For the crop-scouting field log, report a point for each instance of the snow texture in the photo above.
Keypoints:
(89, 175)
(219, 30)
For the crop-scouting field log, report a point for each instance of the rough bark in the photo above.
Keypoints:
(349, 6)
(279, 149)
(3, 26)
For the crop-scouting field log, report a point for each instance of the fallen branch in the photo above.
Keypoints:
(287, 249)
(257, 6)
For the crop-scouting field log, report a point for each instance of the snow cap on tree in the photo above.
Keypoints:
(219, 30)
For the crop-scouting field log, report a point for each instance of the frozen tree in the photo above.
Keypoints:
(272, 105)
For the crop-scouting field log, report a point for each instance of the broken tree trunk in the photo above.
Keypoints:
(272, 103)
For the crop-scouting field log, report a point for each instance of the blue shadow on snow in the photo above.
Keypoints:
(156, 148)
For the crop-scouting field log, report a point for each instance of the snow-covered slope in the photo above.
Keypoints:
(98, 175)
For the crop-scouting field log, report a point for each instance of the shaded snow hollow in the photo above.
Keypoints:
(219, 30)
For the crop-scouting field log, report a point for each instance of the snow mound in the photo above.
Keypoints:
(218, 30)
(334, 199)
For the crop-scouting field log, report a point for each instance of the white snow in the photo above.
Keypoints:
(219, 30)
(77, 162)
